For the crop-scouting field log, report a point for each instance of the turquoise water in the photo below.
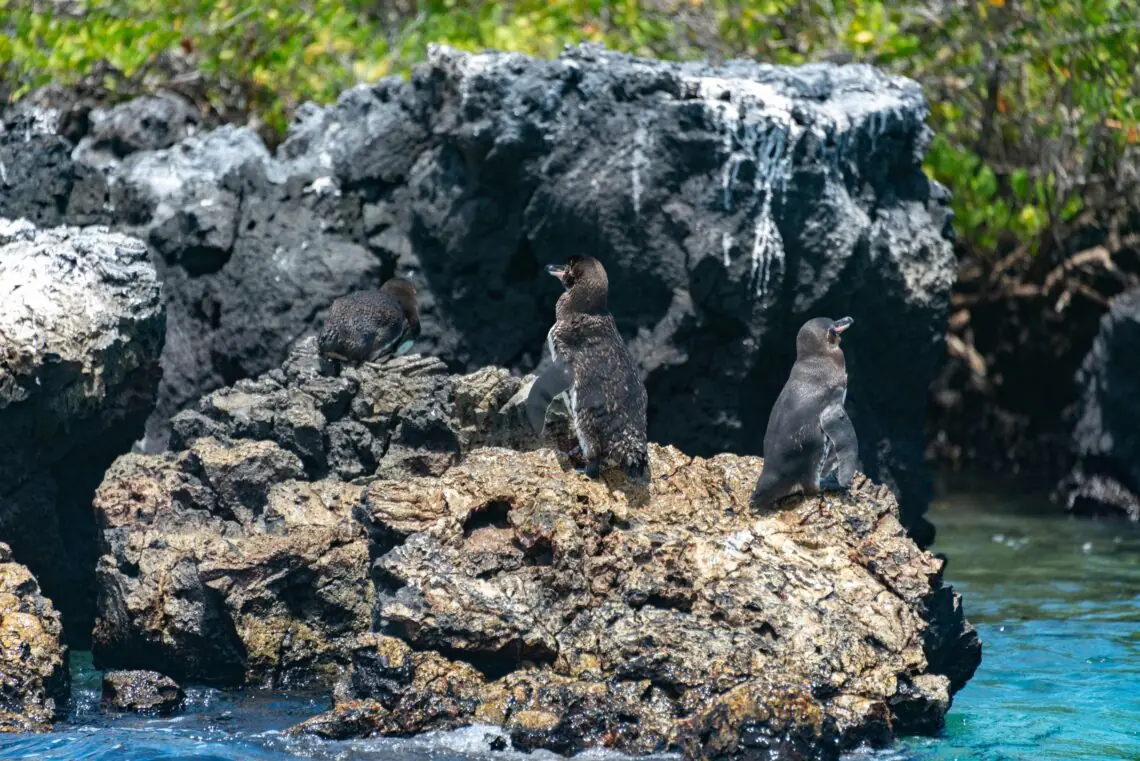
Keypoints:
(1057, 602)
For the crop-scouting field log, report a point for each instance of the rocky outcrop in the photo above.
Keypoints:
(376, 520)
(81, 331)
(149, 123)
(249, 250)
(1106, 437)
(579, 614)
(728, 204)
(142, 692)
(238, 558)
(34, 680)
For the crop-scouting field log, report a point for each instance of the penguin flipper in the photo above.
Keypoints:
(844, 444)
(384, 345)
(552, 382)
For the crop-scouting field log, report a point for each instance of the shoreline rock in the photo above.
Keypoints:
(579, 614)
(81, 331)
(142, 692)
(374, 521)
(34, 678)
(237, 560)
(1105, 442)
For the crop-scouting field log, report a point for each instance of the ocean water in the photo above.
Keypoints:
(1057, 602)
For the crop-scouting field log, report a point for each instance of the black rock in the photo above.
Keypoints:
(148, 123)
(728, 205)
(1106, 438)
(81, 331)
(142, 692)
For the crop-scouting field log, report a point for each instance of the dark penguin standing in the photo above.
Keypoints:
(370, 325)
(592, 363)
(809, 434)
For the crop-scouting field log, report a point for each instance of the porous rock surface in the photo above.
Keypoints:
(728, 204)
(34, 680)
(377, 520)
(81, 332)
(1105, 478)
(237, 558)
(142, 692)
(580, 614)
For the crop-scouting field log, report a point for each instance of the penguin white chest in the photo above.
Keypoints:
(550, 344)
(572, 393)
(819, 474)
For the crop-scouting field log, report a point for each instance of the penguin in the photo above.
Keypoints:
(809, 434)
(593, 366)
(369, 325)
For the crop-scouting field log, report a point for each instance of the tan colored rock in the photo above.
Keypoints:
(364, 524)
(238, 559)
(649, 619)
(222, 567)
(34, 680)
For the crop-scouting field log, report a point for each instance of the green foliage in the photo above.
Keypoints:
(1034, 102)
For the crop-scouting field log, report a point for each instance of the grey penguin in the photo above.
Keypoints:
(365, 326)
(809, 434)
(593, 366)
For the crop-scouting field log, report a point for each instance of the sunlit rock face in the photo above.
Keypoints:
(34, 679)
(728, 204)
(237, 558)
(81, 332)
(399, 532)
(579, 614)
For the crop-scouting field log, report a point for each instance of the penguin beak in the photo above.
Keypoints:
(558, 270)
(842, 324)
(836, 330)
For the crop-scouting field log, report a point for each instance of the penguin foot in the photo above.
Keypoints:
(593, 468)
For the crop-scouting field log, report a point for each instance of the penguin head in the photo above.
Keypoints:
(821, 335)
(586, 284)
(404, 293)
